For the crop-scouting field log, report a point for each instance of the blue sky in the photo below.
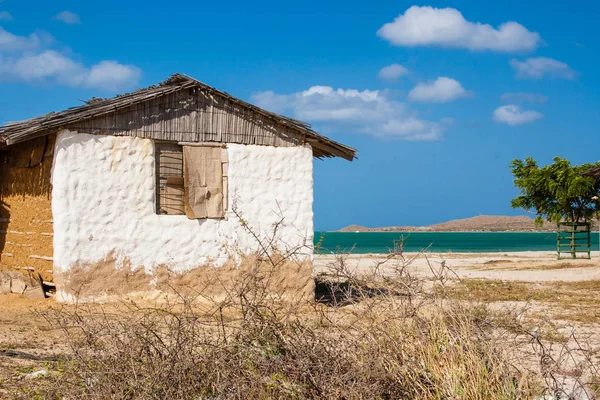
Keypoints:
(468, 86)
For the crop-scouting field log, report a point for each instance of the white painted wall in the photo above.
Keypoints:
(103, 204)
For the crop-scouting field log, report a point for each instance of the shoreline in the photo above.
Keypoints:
(445, 242)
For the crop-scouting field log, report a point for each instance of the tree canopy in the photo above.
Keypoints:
(556, 192)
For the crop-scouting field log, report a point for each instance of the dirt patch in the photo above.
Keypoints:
(494, 262)
(510, 265)
(27, 344)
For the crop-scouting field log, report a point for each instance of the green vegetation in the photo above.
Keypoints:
(557, 192)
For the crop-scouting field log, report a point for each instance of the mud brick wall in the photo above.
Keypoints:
(26, 226)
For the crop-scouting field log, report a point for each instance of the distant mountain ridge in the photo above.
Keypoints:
(480, 223)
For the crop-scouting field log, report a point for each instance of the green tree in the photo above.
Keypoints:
(556, 192)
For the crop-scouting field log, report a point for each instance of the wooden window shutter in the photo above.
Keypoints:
(169, 173)
(203, 181)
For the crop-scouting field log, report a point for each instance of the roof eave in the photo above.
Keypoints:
(17, 132)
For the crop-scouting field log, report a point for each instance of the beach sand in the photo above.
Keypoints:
(526, 266)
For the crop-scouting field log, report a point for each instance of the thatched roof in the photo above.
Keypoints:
(16, 132)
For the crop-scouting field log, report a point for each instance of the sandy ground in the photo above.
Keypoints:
(527, 266)
(28, 344)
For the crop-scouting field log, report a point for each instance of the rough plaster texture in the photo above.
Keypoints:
(103, 205)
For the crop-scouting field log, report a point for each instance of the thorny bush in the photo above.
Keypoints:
(381, 334)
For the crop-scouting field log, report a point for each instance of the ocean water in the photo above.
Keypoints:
(457, 242)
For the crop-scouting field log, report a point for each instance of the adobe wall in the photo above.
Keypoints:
(26, 230)
(103, 191)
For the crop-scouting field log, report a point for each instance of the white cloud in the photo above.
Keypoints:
(5, 16)
(68, 18)
(446, 27)
(441, 90)
(368, 111)
(51, 66)
(393, 72)
(514, 115)
(10, 42)
(522, 97)
(28, 59)
(43, 65)
(111, 74)
(537, 68)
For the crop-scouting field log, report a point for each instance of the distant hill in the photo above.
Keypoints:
(480, 223)
(489, 223)
(354, 228)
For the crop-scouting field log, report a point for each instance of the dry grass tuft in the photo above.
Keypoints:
(369, 336)
(494, 290)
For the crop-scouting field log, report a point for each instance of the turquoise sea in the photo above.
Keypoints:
(458, 242)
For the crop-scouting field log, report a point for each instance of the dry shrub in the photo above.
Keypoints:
(373, 336)
(376, 335)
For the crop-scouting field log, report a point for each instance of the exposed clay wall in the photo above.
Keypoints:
(100, 281)
(26, 232)
(104, 209)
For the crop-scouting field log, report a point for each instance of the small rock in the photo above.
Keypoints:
(37, 374)
(534, 332)
(34, 293)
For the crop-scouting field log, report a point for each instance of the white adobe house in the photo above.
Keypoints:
(164, 176)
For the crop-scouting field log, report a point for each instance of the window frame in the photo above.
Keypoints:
(159, 204)
(178, 147)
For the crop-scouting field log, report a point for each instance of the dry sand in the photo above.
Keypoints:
(527, 266)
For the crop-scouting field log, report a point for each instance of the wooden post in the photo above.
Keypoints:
(589, 241)
(558, 240)
(573, 249)
(578, 239)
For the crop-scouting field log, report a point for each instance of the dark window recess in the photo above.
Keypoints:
(169, 179)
